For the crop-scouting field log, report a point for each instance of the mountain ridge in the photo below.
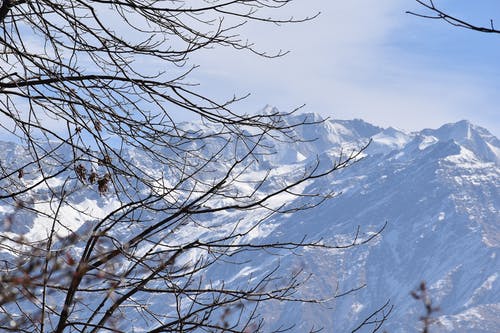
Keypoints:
(437, 189)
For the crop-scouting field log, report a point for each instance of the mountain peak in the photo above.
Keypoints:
(269, 110)
(459, 131)
(361, 127)
(475, 138)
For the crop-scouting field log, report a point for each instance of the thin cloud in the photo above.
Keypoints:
(358, 60)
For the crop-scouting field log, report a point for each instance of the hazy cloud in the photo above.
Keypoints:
(363, 59)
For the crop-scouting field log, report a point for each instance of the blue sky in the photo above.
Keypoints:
(368, 59)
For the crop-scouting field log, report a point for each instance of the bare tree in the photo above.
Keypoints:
(90, 90)
(422, 294)
(437, 13)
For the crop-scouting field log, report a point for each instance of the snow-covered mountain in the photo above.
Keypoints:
(438, 190)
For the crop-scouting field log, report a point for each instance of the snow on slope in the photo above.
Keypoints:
(438, 190)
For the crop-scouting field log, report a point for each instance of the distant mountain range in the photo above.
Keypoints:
(437, 189)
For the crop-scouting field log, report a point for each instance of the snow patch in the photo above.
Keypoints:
(69, 217)
(484, 288)
(356, 307)
(300, 157)
(495, 150)
(244, 272)
(427, 141)
(391, 138)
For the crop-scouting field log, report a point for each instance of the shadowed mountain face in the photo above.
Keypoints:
(437, 189)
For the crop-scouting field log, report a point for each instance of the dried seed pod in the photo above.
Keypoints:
(92, 177)
(81, 172)
(106, 160)
(102, 184)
